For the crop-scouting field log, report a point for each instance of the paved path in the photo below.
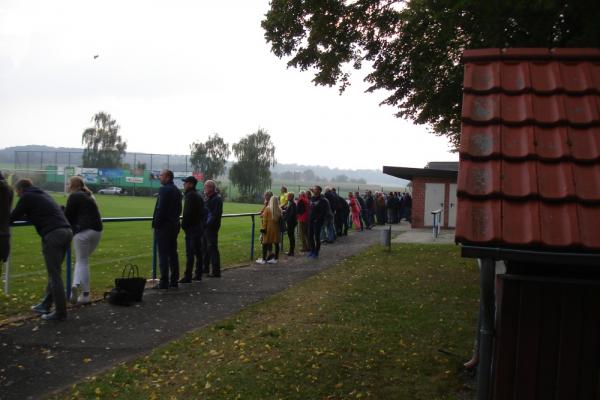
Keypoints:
(38, 358)
(404, 234)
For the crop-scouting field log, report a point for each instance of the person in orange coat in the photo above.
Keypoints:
(270, 232)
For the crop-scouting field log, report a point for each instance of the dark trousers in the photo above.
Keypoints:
(339, 223)
(193, 253)
(267, 251)
(168, 257)
(314, 236)
(291, 232)
(211, 254)
(54, 249)
(364, 219)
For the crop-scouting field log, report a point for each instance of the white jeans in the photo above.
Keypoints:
(85, 243)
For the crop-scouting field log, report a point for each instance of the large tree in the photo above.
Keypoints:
(104, 147)
(414, 47)
(210, 157)
(255, 155)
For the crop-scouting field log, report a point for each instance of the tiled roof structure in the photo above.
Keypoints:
(530, 149)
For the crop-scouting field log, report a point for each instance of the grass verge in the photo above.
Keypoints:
(371, 327)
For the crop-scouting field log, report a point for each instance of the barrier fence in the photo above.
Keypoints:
(68, 257)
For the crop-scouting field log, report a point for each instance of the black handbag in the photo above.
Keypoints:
(131, 283)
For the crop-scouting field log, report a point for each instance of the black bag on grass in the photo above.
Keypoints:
(131, 283)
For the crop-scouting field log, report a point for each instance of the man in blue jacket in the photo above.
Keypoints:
(37, 207)
(166, 227)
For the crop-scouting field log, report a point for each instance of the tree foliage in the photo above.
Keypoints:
(104, 147)
(210, 157)
(415, 46)
(255, 155)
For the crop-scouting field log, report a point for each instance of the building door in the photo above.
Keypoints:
(434, 200)
(452, 206)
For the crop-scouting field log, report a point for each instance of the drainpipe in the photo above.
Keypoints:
(484, 370)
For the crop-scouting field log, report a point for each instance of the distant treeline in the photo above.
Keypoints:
(177, 162)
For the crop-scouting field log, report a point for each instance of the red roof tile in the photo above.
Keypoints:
(521, 222)
(551, 143)
(530, 149)
(585, 143)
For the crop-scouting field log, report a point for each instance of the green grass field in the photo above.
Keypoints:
(380, 325)
(122, 243)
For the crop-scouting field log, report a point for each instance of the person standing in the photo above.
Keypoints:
(344, 215)
(363, 211)
(166, 225)
(6, 200)
(283, 196)
(83, 215)
(318, 213)
(192, 224)
(213, 207)
(331, 197)
(50, 222)
(302, 210)
(355, 210)
(370, 208)
(290, 214)
(271, 234)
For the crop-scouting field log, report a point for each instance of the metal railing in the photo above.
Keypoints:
(68, 257)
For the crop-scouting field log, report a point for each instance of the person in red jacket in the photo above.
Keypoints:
(302, 211)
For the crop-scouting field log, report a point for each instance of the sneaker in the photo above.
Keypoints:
(185, 280)
(272, 261)
(261, 261)
(53, 316)
(84, 299)
(40, 309)
(74, 294)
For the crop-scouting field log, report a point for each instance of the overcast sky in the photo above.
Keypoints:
(174, 72)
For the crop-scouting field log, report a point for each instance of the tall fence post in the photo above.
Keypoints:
(68, 270)
(154, 251)
(7, 264)
(252, 239)
(6, 274)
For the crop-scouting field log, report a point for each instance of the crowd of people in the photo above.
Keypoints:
(317, 216)
(80, 223)
(322, 217)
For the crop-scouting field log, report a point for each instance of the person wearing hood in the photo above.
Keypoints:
(37, 207)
